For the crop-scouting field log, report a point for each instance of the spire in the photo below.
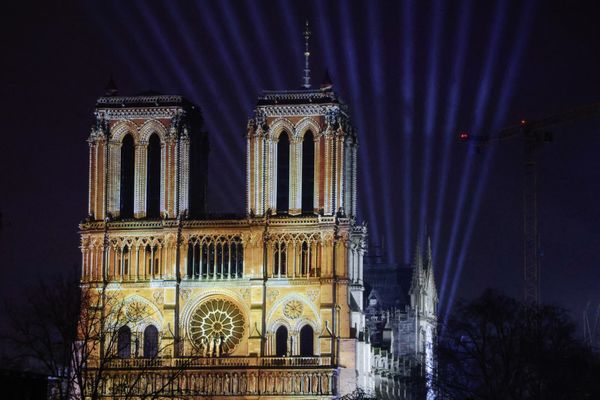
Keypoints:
(306, 77)
(428, 254)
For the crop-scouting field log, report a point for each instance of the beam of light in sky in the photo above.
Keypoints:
(293, 33)
(453, 104)
(184, 78)
(408, 76)
(235, 71)
(376, 74)
(352, 63)
(138, 53)
(259, 22)
(235, 40)
(506, 94)
(135, 70)
(430, 116)
(481, 103)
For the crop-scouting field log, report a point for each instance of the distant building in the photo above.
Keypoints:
(401, 320)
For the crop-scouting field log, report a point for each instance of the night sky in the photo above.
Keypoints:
(414, 75)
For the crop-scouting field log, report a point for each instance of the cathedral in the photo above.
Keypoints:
(271, 304)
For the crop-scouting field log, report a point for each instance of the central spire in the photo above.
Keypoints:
(306, 77)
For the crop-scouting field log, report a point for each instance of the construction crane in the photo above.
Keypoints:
(533, 134)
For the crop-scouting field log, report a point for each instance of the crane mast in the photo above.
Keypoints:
(533, 134)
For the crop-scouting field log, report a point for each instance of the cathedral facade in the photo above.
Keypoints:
(269, 304)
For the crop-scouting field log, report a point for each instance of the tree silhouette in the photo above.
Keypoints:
(496, 348)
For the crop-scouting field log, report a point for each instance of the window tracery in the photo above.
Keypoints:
(220, 257)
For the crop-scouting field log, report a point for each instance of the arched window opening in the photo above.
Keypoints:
(279, 260)
(125, 261)
(283, 173)
(307, 338)
(127, 176)
(150, 341)
(153, 178)
(281, 342)
(306, 258)
(308, 173)
(124, 342)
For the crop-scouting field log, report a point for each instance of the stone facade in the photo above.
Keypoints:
(266, 304)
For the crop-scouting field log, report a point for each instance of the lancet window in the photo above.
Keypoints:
(127, 177)
(283, 173)
(295, 256)
(153, 178)
(308, 172)
(280, 260)
(215, 258)
(150, 341)
(124, 342)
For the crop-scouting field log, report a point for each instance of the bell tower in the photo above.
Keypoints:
(301, 155)
(147, 158)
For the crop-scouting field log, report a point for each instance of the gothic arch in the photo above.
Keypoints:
(152, 126)
(280, 125)
(306, 302)
(306, 124)
(154, 316)
(122, 128)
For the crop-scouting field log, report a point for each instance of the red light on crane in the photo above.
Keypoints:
(464, 136)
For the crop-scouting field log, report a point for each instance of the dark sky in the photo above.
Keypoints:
(414, 75)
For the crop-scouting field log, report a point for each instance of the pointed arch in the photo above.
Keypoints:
(124, 342)
(281, 341)
(151, 127)
(307, 341)
(305, 125)
(122, 128)
(150, 341)
(279, 126)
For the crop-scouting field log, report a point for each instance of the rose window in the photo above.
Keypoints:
(218, 318)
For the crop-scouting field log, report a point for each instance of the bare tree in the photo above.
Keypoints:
(78, 334)
(498, 348)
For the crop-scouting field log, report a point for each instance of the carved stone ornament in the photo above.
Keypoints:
(158, 296)
(272, 295)
(135, 311)
(185, 293)
(312, 294)
(293, 309)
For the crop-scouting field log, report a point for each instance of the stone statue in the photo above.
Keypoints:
(227, 383)
(297, 383)
(253, 383)
(201, 383)
(234, 383)
(243, 384)
(211, 347)
(306, 386)
(315, 383)
(325, 383)
(218, 342)
(209, 384)
(218, 389)
(203, 347)
(289, 383)
(278, 383)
